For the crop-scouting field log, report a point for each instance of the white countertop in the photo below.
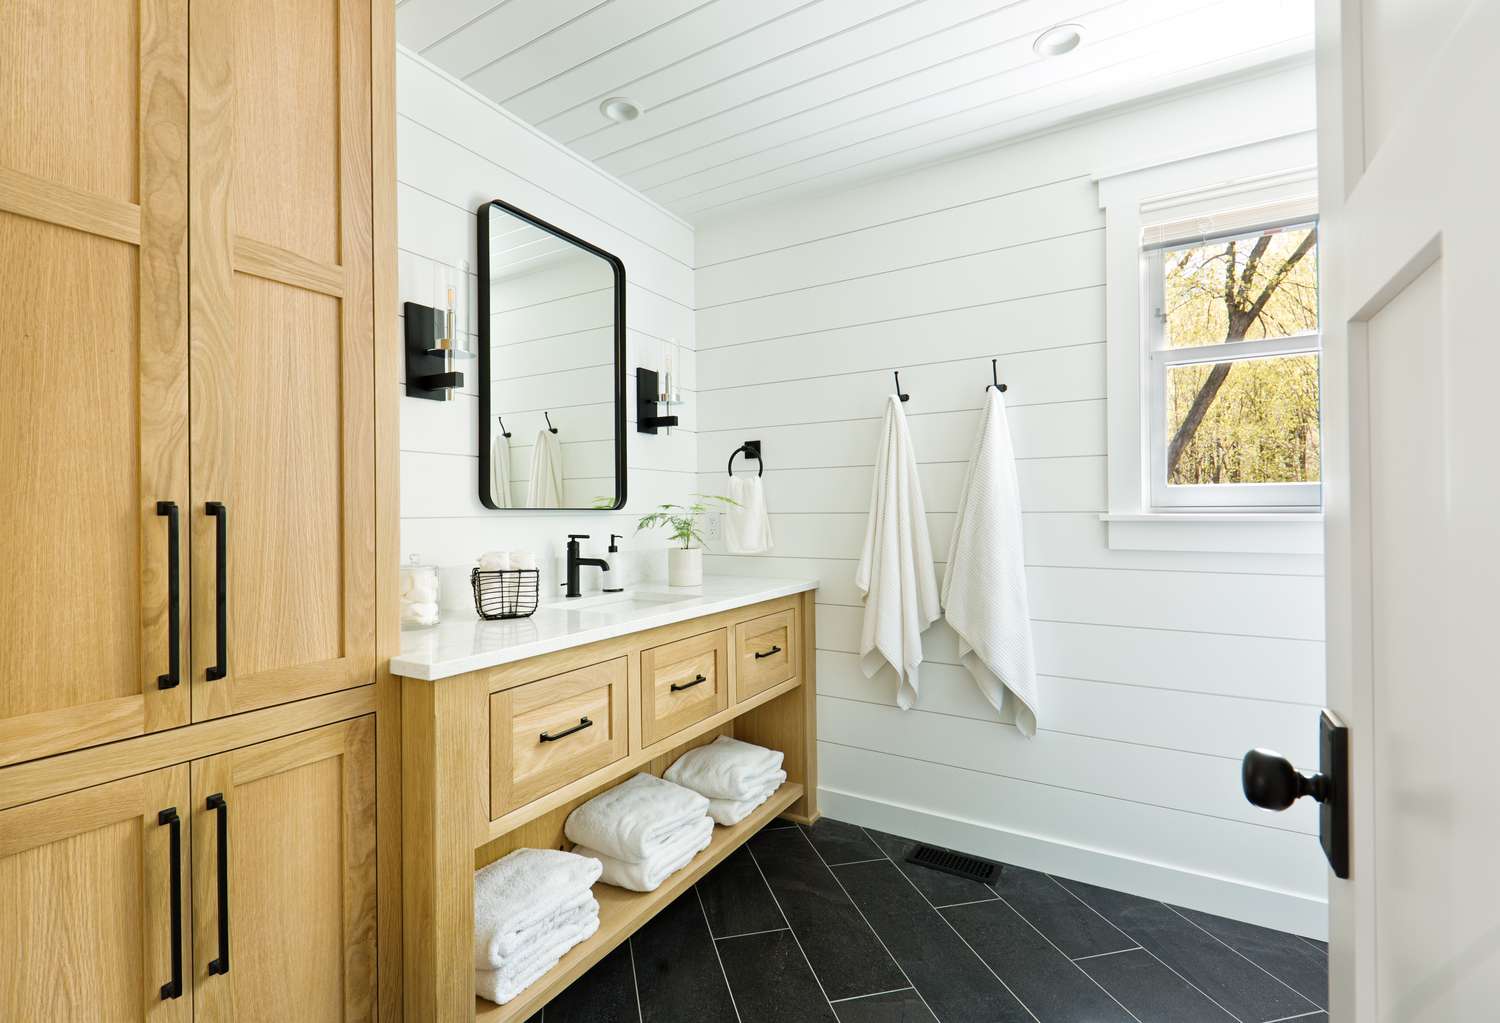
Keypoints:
(464, 642)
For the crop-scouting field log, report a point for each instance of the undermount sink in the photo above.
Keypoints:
(616, 604)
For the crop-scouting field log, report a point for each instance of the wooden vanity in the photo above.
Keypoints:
(494, 758)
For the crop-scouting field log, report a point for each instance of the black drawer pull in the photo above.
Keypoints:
(218, 803)
(677, 688)
(173, 987)
(582, 724)
(220, 668)
(768, 653)
(174, 596)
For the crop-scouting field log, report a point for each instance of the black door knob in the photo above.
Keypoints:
(1270, 781)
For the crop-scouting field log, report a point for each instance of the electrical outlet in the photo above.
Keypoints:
(713, 526)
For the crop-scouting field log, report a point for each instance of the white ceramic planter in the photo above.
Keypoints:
(685, 566)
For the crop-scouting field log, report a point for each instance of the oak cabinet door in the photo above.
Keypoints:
(93, 425)
(283, 448)
(284, 879)
(86, 886)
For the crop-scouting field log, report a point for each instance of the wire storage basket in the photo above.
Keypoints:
(506, 593)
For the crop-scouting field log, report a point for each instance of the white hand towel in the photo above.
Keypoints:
(729, 812)
(895, 570)
(687, 842)
(501, 986)
(747, 527)
(503, 947)
(521, 889)
(634, 820)
(545, 489)
(522, 559)
(500, 475)
(495, 561)
(725, 769)
(984, 587)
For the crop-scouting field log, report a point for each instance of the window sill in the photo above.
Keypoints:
(1217, 532)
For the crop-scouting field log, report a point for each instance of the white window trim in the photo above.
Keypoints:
(1254, 174)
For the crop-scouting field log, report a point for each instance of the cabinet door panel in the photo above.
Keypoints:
(93, 428)
(85, 879)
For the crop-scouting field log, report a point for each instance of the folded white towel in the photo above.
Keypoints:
(504, 984)
(519, 890)
(729, 812)
(895, 571)
(688, 841)
(503, 945)
(747, 526)
(725, 769)
(546, 487)
(495, 561)
(522, 559)
(984, 587)
(635, 819)
(500, 475)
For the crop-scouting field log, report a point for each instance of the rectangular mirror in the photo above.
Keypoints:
(551, 366)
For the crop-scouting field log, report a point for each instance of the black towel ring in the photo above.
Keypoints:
(503, 431)
(751, 449)
(995, 376)
(548, 417)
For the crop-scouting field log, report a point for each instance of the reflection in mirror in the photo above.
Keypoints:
(551, 366)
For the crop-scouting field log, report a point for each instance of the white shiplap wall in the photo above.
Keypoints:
(1159, 669)
(455, 150)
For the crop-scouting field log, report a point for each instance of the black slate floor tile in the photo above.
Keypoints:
(891, 1007)
(1151, 991)
(844, 952)
(1284, 956)
(736, 899)
(838, 842)
(1239, 986)
(605, 994)
(1070, 925)
(677, 970)
(941, 889)
(1052, 987)
(953, 981)
(771, 980)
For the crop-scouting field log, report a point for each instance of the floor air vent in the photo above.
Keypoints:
(954, 863)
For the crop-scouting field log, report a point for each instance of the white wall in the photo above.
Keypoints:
(1159, 669)
(456, 150)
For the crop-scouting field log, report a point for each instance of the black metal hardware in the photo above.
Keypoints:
(995, 378)
(576, 561)
(903, 397)
(505, 593)
(220, 668)
(217, 803)
(1270, 781)
(503, 431)
(751, 449)
(768, 653)
(646, 390)
(427, 372)
(950, 862)
(174, 596)
(173, 987)
(679, 687)
(548, 416)
(553, 737)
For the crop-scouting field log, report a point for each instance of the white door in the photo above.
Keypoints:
(1409, 122)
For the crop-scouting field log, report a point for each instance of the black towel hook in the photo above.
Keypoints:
(503, 431)
(751, 449)
(903, 397)
(548, 417)
(995, 376)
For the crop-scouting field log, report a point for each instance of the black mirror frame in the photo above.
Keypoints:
(485, 410)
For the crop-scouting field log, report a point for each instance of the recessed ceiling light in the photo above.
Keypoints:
(619, 109)
(1057, 40)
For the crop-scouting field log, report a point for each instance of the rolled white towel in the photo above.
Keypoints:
(522, 889)
(725, 769)
(521, 972)
(522, 559)
(634, 820)
(495, 561)
(729, 812)
(647, 876)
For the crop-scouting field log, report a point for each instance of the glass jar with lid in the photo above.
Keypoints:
(419, 594)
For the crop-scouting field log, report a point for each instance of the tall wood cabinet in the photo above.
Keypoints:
(195, 206)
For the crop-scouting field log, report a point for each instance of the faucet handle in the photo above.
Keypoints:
(578, 536)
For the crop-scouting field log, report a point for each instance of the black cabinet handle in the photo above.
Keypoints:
(768, 653)
(220, 667)
(582, 724)
(173, 987)
(217, 803)
(174, 596)
(679, 687)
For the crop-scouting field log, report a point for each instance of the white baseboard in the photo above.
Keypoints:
(1268, 907)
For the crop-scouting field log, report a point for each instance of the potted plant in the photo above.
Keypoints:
(684, 563)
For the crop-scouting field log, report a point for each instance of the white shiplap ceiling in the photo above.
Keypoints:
(746, 100)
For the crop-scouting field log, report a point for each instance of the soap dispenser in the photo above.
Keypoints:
(614, 576)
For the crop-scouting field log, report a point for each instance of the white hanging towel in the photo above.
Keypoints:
(984, 587)
(546, 487)
(895, 571)
(747, 524)
(500, 468)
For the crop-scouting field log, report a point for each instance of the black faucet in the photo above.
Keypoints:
(576, 561)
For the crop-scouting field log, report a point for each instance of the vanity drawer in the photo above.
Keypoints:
(545, 734)
(766, 652)
(683, 683)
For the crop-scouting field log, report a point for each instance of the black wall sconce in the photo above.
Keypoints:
(431, 349)
(647, 398)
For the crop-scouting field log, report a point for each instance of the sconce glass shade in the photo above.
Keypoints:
(458, 347)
